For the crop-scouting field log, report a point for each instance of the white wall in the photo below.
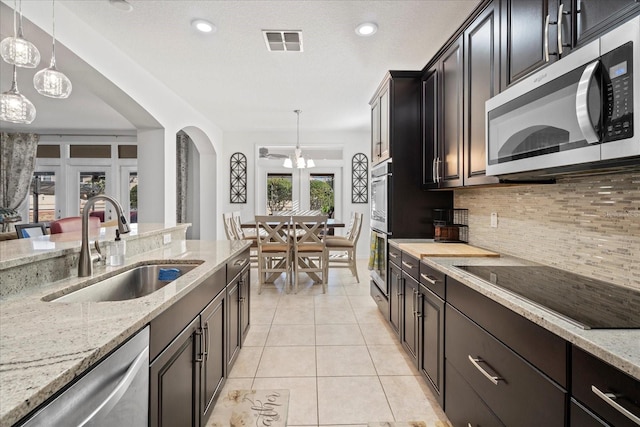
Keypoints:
(156, 147)
(246, 143)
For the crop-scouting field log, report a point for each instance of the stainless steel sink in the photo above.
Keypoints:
(130, 284)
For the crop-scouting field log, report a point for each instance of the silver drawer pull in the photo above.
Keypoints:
(392, 255)
(475, 361)
(406, 264)
(610, 399)
(240, 262)
(429, 278)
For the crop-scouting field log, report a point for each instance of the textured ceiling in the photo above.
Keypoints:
(231, 77)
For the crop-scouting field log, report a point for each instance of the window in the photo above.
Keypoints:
(279, 192)
(92, 184)
(42, 197)
(133, 197)
(321, 193)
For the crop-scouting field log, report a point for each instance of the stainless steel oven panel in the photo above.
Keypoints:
(379, 273)
(630, 31)
(561, 103)
(380, 188)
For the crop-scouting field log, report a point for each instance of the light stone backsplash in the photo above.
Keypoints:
(589, 225)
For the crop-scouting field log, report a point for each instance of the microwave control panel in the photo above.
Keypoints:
(618, 84)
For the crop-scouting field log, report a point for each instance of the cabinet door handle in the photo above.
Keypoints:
(610, 399)
(546, 39)
(476, 362)
(207, 341)
(392, 255)
(406, 264)
(560, 13)
(240, 262)
(433, 170)
(199, 355)
(428, 278)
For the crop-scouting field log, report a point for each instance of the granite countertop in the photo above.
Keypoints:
(618, 347)
(44, 345)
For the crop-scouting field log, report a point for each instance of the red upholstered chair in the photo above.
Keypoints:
(74, 223)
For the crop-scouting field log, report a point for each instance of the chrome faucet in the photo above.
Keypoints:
(85, 265)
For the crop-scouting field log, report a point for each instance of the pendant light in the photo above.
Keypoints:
(49, 81)
(16, 50)
(15, 107)
(298, 160)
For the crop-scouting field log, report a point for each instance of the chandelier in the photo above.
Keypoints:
(298, 160)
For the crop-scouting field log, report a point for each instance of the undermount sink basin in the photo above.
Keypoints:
(130, 284)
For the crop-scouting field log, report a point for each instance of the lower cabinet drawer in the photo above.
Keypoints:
(513, 389)
(582, 417)
(605, 390)
(463, 406)
(380, 299)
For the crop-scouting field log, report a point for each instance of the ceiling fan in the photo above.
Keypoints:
(264, 154)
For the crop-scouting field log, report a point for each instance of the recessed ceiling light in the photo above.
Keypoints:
(203, 26)
(121, 4)
(366, 29)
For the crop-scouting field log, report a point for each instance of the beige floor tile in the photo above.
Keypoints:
(362, 300)
(345, 334)
(358, 289)
(369, 314)
(296, 335)
(293, 316)
(341, 425)
(257, 335)
(262, 315)
(375, 334)
(303, 397)
(408, 401)
(391, 360)
(237, 384)
(332, 301)
(329, 315)
(351, 400)
(296, 301)
(246, 363)
(343, 361)
(287, 362)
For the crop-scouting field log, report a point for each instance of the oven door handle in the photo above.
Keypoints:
(582, 104)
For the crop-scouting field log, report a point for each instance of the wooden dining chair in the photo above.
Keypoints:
(227, 218)
(274, 249)
(309, 249)
(237, 229)
(344, 248)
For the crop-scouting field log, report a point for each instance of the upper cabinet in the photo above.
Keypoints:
(395, 115)
(481, 82)
(442, 124)
(536, 32)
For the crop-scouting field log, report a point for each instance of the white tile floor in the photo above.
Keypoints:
(334, 352)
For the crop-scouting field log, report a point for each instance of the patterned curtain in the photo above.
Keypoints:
(17, 164)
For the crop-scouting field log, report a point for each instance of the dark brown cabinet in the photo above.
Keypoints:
(175, 381)
(607, 393)
(442, 129)
(213, 362)
(481, 82)
(536, 32)
(380, 126)
(395, 296)
(430, 315)
(409, 329)
(189, 367)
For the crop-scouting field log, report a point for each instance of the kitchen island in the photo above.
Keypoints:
(45, 345)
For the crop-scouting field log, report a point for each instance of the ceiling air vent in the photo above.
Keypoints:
(283, 41)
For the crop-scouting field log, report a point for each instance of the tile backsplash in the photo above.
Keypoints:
(588, 225)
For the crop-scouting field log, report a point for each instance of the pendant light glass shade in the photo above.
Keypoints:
(16, 50)
(49, 81)
(15, 107)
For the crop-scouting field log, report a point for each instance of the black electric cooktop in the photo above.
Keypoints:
(589, 303)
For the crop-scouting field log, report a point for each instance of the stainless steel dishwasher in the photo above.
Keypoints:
(113, 393)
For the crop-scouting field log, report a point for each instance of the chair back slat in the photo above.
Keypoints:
(237, 225)
(274, 229)
(309, 229)
(227, 218)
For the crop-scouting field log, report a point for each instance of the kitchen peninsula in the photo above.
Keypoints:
(44, 345)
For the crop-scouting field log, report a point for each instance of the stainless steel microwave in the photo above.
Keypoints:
(575, 114)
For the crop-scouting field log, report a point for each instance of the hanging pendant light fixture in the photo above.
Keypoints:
(15, 107)
(49, 81)
(16, 50)
(298, 160)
